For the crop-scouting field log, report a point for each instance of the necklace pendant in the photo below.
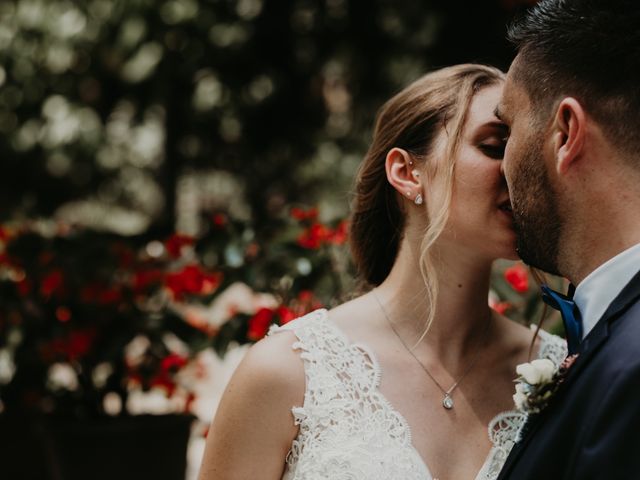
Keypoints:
(447, 402)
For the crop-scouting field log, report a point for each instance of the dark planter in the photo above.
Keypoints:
(21, 453)
(128, 448)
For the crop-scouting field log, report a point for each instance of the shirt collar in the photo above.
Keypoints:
(594, 294)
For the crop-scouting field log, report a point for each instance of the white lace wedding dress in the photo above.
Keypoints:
(349, 431)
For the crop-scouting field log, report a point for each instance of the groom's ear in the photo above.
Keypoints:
(569, 134)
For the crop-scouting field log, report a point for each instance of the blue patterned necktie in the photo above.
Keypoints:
(570, 315)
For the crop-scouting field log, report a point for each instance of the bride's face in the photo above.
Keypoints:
(480, 220)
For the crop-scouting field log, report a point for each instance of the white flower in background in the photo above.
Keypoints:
(237, 298)
(101, 374)
(100, 215)
(135, 350)
(175, 345)
(538, 371)
(155, 401)
(7, 366)
(112, 403)
(62, 376)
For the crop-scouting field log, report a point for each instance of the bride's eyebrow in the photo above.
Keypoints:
(492, 128)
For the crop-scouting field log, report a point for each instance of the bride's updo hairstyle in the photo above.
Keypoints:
(411, 120)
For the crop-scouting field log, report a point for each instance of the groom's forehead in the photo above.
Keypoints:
(514, 100)
(502, 110)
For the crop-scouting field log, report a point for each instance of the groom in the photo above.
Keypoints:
(572, 163)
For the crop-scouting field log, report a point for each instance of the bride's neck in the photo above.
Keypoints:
(461, 308)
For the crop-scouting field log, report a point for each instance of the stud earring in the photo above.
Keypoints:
(408, 194)
(418, 200)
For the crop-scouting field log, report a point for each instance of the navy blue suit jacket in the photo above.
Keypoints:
(591, 427)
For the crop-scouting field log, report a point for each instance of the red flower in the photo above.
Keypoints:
(101, 294)
(53, 283)
(501, 307)
(314, 236)
(143, 279)
(110, 296)
(305, 303)
(80, 342)
(339, 235)
(518, 277)
(259, 324)
(63, 314)
(192, 280)
(285, 314)
(302, 215)
(175, 243)
(305, 296)
(73, 347)
(172, 363)
(220, 220)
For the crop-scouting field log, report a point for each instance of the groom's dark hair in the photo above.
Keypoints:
(587, 49)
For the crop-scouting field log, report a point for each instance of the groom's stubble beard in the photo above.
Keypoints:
(536, 215)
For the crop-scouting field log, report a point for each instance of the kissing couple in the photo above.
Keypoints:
(468, 165)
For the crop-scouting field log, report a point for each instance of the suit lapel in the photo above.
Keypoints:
(591, 344)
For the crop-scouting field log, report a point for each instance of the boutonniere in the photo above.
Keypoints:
(538, 381)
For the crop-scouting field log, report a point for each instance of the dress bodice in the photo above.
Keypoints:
(347, 428)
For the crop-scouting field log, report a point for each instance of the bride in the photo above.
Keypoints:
(405, 381)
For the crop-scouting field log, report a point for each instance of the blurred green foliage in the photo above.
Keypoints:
(105, 105)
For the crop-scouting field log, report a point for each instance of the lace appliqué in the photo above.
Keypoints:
(348, 430)
(504, 429)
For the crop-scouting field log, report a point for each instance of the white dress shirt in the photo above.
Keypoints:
(596, 292)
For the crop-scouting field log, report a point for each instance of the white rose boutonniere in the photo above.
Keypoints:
(538, 381)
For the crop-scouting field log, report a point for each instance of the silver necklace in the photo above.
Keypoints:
(447, 401)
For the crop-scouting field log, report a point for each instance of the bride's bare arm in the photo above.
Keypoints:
(253, 427)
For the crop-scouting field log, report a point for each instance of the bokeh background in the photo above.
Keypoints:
(175, 179)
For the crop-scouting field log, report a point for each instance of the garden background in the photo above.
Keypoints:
(176, 178)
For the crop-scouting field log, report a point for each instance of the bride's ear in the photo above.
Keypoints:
(403, 174)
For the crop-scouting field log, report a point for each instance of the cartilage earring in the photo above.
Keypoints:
(418, 200)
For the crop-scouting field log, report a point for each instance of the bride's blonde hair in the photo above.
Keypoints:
(411, 120)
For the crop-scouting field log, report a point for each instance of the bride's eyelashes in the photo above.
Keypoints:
(491, 150)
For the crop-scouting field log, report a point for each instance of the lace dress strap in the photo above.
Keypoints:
(346, 426)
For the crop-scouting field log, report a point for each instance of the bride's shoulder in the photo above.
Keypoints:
(519, 340)
(274, 364)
